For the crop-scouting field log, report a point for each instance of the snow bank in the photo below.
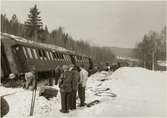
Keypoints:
(138, 92)
(141, 92)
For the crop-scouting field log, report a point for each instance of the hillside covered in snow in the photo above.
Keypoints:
(129, 91)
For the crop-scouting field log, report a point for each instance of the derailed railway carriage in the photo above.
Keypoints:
(19, 55)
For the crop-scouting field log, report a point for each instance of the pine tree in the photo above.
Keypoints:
(43, 35)
(46, 30)
(33, 23)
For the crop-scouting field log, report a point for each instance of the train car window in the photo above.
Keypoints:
(15, 49)
(35, 54)
(81, 59)
(29, 53)
(69, 58)
(40, 54)
(65, 57)
(84, 59)
(44, 54)
(51, 55)
(24, 51)
(76, 58)
(57, 55)
(48, 55)
(87, 60)
(61, 56)
(54, 56)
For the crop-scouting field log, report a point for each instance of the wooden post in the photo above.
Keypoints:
(33, 94)
(153, 60)
(144, 61)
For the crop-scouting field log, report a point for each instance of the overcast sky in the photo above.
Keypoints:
(120, 24)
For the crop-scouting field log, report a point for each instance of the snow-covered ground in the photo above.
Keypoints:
(138, 92)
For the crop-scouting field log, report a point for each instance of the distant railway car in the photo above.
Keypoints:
(19, 55)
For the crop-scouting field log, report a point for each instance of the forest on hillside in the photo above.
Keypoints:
(33, 29)
(151, 49)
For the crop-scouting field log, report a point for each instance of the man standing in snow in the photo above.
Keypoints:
(65, 84)
(82, 85)
(11, 81)
(58, 72)
(31, 78)
(75, 82)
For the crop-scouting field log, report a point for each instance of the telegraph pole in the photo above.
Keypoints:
(153, 60)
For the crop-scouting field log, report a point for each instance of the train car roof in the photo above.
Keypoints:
(22, 41)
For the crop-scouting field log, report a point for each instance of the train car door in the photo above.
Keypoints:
(4, 62)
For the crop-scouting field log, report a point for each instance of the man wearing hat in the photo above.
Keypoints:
(12, 81)
(30, 78)
(75, 83)
(65, 84)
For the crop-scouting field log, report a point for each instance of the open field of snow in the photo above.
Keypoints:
(129, 91)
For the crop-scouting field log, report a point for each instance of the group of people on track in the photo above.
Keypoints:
(72, 79)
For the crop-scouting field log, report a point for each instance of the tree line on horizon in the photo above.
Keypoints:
(33, 29)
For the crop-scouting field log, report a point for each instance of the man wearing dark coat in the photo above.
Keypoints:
(58, 72)
(65, 84)
(75, 83)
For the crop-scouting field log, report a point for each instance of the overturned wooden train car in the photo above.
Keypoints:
(19, 55)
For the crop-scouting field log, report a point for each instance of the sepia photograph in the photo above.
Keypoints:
(77, 59)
